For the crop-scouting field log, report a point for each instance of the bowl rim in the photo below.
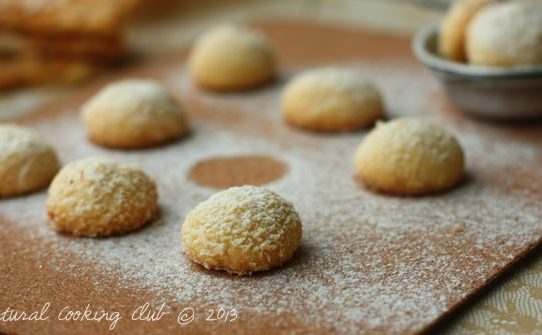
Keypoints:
(430, 59)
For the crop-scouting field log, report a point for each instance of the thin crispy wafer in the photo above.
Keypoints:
(34, 71)
(18, 44)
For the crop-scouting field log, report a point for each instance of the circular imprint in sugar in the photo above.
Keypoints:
(451, 41)
(27, 162)
(506, 35)
(101, 197)
(331, 99)
(224, 172)
(409, 157)
(232, 57)
(242, 230)
(133, 113)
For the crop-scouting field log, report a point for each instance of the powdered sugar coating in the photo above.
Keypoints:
(451, 41)
(242, 230)
(27, 161)
(409, 156)
(232, 57)
(507, 34)
(100, 197)
(331, 99)
(133, 113)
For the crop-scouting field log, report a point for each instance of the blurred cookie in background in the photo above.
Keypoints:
(506, 35)
(69, 17)
(454, 26)
(59, 41)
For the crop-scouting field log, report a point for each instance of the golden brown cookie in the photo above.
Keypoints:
(409, 157)
(133, 113)
(506, 35)
(242, 230)
(451, 41)
(232, 57)
(27, 162)
(331, 99)
(101, 197)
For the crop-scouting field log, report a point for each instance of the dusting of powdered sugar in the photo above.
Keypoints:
(510, 32)
(367, 262)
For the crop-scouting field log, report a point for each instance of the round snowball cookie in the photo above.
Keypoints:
(27, 162)
(100, 197)
(331, 99)
(242, 230)
(409, 157)
(451, 41)
(506, 35)
(232, 57)
(133, 113)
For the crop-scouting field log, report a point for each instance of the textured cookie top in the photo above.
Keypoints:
(414, 136)
(133, 113)
(332, 80)
(507, 34)
(245, 211)
(331, 99)
(27, 162)
(100, 184)
(453, 28)
(230, 57)
(19, 141)
(234, 39)
(242, 229)
(409, 156)
(145, 99)
(99, 196)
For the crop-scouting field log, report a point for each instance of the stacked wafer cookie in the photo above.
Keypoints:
(59, 41)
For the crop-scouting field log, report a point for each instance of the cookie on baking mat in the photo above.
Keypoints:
(232, 57)
(409, 156)
(101, 197)
(331, 99)
(242, 230)
(133, 113)
(27, 162)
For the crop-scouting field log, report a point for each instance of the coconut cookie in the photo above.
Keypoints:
(27, 162)
(451, 41)
(242, 230)
(133, 113)
(331, 99)
(232, 57)
(506, 35)
(409, 157)
(101, 197)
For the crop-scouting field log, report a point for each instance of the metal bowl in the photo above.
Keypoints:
(503, 93)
